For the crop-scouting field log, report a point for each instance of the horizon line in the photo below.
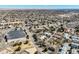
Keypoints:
(39, 6)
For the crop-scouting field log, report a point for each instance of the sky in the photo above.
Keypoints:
(39, 6)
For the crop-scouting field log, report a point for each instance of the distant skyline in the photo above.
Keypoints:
(39, 6)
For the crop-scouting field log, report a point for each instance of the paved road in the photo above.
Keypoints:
(32, 39)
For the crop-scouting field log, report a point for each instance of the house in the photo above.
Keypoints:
(65, 48)
(74, 38)
(66, 36)
(4, 24)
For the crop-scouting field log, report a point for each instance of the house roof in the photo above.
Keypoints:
(14, 34)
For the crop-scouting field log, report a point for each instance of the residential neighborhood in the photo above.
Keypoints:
(39, 31)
